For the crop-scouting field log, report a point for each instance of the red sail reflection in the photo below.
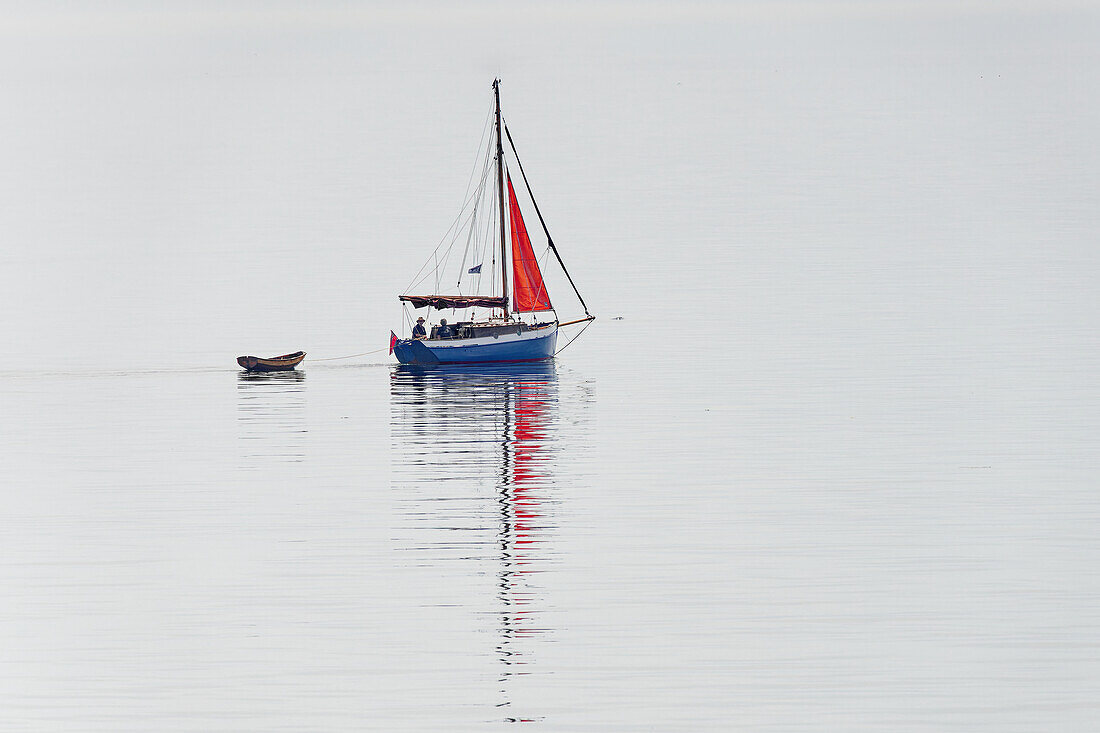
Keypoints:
(475, 450)
(523, 520)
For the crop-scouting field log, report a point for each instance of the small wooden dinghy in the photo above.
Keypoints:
(284, 363)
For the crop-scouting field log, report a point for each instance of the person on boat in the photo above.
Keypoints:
(418, 329)
(444, 331)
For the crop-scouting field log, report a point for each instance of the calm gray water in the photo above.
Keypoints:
(827, 461)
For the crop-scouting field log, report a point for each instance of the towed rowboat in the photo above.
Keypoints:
(284, 363)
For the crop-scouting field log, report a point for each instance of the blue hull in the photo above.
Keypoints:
(504, 350)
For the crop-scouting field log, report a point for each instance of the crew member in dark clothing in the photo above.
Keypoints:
(418, 329)
(444, 331)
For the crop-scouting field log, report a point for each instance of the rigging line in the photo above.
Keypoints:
(465, 252)
(479, 238)
(467, 198)
(421, 275)
(549, 239)
(488, 248)
(477, 155)
(489, 241)
(473, 230)
(349, 356)
(485, 236)
(457, 218)
(574, 338)
(435, 252)
(489, 235)
(470, 236)
(434, 255)
(542, 283)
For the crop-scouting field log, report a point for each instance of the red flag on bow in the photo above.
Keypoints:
(393, 340)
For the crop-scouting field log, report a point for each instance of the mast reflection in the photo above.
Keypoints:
(466, 434)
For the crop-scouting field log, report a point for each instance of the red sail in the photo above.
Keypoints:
(529, 290)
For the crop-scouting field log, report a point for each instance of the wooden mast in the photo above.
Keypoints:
(500, 189)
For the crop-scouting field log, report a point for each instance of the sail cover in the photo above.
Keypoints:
(529, 290)
(439, 302)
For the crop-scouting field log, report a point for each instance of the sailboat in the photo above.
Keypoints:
(500, 334)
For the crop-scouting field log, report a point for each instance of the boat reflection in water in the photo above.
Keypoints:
(476, 446)
(271, 417)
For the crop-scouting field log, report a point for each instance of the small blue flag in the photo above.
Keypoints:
(475, 270)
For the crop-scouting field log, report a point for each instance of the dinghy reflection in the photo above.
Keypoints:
(271, 417)
(477, 447)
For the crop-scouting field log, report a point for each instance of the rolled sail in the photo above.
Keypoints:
(442, 302)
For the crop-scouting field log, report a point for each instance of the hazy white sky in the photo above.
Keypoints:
(154, 150)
